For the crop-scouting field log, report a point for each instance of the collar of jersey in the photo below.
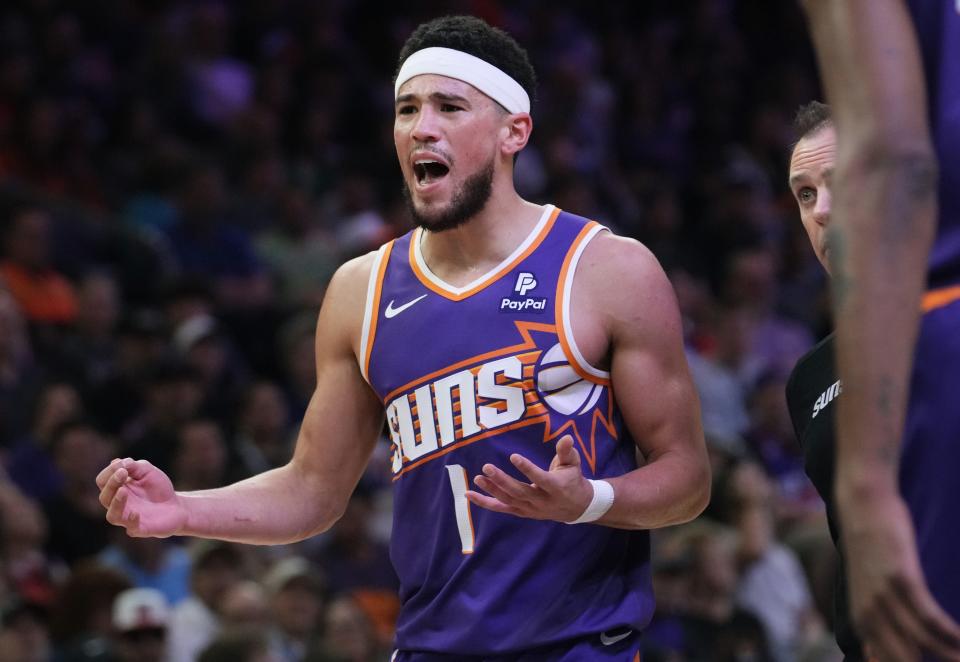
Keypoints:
(446, 290)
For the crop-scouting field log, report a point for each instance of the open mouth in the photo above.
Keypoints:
(428, 172)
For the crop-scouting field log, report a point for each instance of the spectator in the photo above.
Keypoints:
(221, 85)
(771, 437)
(141, 343)
(24, 635)
(299, 365)
(208, 246)
(773, 585)
(150, 563)
(81, 622)
(18, 376)
(723, 399)
(348, 633)
(43, 293)
(89, 353)
(140, 619)
(201, 344)
(711, 610)
(200, 457)
(264, 437)
(195, 621)
(30, 463)
(173, 394)
(299, 252)
(25, 568)
(238, 647)
(773, 343)
(245, 606)
(77, 526)
(359, 566)
(298, 598)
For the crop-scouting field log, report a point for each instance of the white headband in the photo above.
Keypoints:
(487, 78)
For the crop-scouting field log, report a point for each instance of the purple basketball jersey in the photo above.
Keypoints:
(930, 458)
(938, 32)
(468, 376)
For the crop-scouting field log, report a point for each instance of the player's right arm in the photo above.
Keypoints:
(300, 499)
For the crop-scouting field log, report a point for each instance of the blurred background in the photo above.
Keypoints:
(179, 180)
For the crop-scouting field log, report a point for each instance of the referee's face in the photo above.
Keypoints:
(811, 172)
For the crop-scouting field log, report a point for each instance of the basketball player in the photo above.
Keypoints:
(813, 387)
(891, 70)
(494, 337)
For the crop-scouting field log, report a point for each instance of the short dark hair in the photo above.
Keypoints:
(476, 37)
(810, 118)
(65, 428)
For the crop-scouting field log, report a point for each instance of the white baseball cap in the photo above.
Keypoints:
(140, 608)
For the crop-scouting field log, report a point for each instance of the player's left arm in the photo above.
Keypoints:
(620, 282)
(623, 307)
(885, 202)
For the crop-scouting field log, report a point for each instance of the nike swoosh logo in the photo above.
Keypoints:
(607, 640)
(393, 312)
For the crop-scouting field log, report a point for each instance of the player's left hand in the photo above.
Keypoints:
(559, 493)
(894, 612)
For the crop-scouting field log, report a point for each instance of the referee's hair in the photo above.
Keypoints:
(810, 118)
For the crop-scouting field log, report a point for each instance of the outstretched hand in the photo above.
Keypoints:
(559, 493)
(894, 612)
(140, 498)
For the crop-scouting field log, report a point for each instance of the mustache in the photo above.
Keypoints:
(417, 147)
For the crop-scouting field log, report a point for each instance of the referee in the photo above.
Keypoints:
(813, 386)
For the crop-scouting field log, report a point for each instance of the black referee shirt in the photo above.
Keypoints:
(812, 391)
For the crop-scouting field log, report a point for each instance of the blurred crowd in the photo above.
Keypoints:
(179, 180)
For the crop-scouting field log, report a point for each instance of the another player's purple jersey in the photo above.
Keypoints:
(469, 375)
(938, 31)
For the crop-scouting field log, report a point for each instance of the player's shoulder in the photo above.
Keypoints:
(622, 282)
(353, 276)
(346, 293)
(621, 252)
(621, 266)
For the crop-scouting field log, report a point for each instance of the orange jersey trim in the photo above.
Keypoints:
(375, 309)
(486, 282)
(939, 298)
(559, 309)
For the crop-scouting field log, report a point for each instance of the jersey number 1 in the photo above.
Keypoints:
(458, 484)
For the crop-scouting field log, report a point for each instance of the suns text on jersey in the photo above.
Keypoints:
(462, 406)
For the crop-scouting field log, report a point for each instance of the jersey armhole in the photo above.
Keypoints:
(371, 308)
(563, 307)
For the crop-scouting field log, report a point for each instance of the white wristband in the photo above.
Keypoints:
(599, 504)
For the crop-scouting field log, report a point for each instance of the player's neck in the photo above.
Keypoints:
(460, 255)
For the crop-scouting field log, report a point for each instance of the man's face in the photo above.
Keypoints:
(811, 171)
(447, 135)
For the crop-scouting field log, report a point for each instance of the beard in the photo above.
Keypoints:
(467, 202)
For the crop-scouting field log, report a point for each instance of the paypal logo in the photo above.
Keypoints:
(526, 281)
(520, 302)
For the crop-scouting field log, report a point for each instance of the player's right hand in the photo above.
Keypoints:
(140, 498)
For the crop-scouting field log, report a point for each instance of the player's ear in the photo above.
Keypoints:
(516, 132)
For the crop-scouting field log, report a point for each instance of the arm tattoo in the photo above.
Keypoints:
(889, 450)
(841, 280)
